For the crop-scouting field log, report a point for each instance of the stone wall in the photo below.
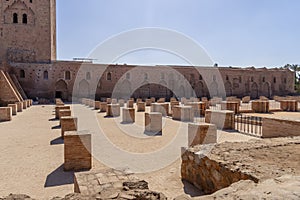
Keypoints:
(280, 128)
(7, 92)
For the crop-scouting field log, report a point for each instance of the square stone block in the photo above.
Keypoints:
(24, 105)
(246, 99)
(27, 103)
(108, 100)
(153, 122)
(139, 100)
(113, 110)
(152, 99)
(174, 103)
(201, 133)
(5, 114)
(14, 108)
(230, 105)
(261, 106)
(121, 102)
(114, 101)
(64, 113)
(128, 115)
(58, 108)
(183, 113)
(148, 102)
(141, 107)
(289, 105)
(103, 106)
(223, 119)
(97, 105)
(130, 103)
(77, 151)
(163, 108)
(161, 100)
(68, 124)
(19, 106)
(198, 108)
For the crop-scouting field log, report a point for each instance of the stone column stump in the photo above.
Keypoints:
(130, 103)
(183, 113)
(148, 102)
(24, 105)
(153, 123)
(230, 105)
(128, 115)
(14, 108)
(223, 119)
(103, 106)
(261, 106)
(19, 106)
(58, 108)
(163, 108)
(5, 114)
(141, 107)
(77, 151)
(113, 110)
(202, 133)
(97, 105)
(68, 124)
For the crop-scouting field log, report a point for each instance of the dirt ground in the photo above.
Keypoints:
(31, 152)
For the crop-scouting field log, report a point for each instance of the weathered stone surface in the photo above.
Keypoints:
(128, 115)
(162, 108)
(183, 113)
(272, 127)
(5, 114)
(223, 119)
(77, 151)
(14, 108)
(103, 106)
(201, 133)
(113, 110)
(68, 124)
(19, 106)
(261, 106)
(58, 108)
(130, 103)
(213, 167)
(289, 105)
(230, 105)
(153, 122)
(141, 106)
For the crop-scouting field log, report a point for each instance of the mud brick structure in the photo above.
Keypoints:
(64, 113)
(153, 123)
(223, 119)
(201, 133)
(198, 108)
(130, 103)
(272, 127)
(77, 151)
(29, 68)
(19, 106)
(289, 105)
(108, 100)
(128, 115)
(58, 108)
(14, 108)
(5, 114)
(103, 106)
(261, 106)
(183, 113)
(113, 110)
(163, 108)
(121, 102)
(141, 106)
(246, 99)
(97, 105)
(68, 124)
(230, 105)
(24, 105)
(148, 102)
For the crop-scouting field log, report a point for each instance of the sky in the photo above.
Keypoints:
(260, 33)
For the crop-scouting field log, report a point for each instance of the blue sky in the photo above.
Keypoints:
(233, 32)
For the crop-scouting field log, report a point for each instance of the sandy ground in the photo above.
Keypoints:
(31, 152)
(279, 115)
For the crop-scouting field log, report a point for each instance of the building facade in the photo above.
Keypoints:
(28, 50)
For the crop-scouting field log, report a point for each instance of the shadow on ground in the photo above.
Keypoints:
(191, 190)
(59, 177)
(57, 141)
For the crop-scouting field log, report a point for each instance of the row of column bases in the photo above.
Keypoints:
(7, 113)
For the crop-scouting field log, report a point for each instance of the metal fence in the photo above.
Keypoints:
(250, 125)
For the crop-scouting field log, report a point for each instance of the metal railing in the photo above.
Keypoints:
(250, 125)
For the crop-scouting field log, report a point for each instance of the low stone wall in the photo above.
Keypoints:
(289, 105)
(77, 151)
(5, 114)
(230, 105)
(280, 128)
(261, 106)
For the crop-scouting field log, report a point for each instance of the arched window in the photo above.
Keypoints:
(252, 79)
(274, 79)
(15, 18)
(88, 76)
(24, 19)
(128, 76)
(227, 78)
(263, 79)
(200, 77)
(162, 76)
(22, 73)
(214, 77)
(68, 75)
(108, 76)
(146, 76)
(45, 75)
(240, 79)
